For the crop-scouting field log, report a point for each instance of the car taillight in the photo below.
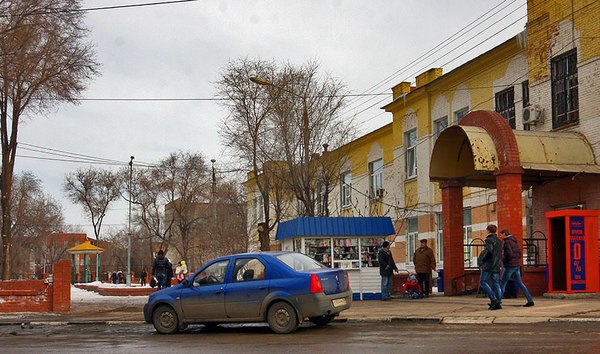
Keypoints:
(315, 284)
(347, 281)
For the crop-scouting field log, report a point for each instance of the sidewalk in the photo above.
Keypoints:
(437, 309)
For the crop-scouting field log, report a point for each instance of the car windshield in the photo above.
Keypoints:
(299, 262)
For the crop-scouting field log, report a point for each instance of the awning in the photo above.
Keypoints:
(469, 153)
(335, 226)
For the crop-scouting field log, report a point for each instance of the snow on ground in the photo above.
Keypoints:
(84, 297)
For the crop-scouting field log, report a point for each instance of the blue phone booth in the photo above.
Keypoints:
(573, 251)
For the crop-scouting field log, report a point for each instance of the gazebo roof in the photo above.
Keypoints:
(85, 248)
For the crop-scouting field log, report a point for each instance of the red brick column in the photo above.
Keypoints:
(510, 202)
(452, 209)
(61, 288)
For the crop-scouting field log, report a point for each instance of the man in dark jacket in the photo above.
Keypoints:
(161, 269)
(424, 261)
(387, 266)
(489, 262)
(511, 259)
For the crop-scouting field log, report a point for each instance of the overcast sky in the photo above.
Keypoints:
(177, 51)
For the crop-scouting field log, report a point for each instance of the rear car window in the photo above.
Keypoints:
(299, 262)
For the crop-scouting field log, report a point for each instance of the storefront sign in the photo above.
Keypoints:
(577, 245)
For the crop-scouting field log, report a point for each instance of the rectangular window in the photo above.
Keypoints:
(458, 115)
(505, 105)
(439, 125)
(565, 91)
(525, 91)
(439, 237)
(412, 237)
(258, 209)
(376, 178)
(410, 141)
(467, 238)
(346, 189)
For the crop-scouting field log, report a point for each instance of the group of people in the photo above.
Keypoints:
(162, 271)
(500, 252)
(416, 286)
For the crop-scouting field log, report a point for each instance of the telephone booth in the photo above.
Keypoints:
(573, 251)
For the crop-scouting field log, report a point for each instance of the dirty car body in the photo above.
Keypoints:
(280, 288)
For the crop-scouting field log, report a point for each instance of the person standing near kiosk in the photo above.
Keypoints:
(424, 262)
(387, 266)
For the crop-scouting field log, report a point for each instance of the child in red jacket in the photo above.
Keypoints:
(411, 288)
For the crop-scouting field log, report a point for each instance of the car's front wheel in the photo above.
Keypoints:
(282, 318)
(165, 320)
(321, 320)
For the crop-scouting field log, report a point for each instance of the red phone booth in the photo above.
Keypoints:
(573, 251)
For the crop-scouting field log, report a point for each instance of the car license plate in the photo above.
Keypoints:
(338, 302)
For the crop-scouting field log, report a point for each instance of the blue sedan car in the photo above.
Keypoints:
(280, 288)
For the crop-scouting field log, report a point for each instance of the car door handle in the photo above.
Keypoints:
(262, 287)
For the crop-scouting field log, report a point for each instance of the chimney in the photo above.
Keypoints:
(428, 76)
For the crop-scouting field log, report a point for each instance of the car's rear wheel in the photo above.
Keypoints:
(282, 318)
(165, 320)
(321, 320)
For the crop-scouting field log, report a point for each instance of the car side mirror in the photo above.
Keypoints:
(185, 283)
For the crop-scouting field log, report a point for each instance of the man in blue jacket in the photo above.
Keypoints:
(489, 262)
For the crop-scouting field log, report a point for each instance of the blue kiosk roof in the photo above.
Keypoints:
(335, 226)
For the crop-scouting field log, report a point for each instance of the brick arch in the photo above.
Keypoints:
(502, 135)
(508, 180)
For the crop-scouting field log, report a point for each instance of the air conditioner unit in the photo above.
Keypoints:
(533, 114)
(380, 192)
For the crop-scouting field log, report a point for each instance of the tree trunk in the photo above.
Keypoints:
(263, 237)
(7, 176)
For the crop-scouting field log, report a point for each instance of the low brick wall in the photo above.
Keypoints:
(117, 291)
(38, 295)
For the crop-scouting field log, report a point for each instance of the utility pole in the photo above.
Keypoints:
(213, 192)
(128, 275)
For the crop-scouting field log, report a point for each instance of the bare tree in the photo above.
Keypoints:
(287, 121)
(34, 215)
(185, 190)
(149, 195)
(44, 60)
(94, 189)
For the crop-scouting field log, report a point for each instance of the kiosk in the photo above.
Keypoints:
(573, 251)
(351, 243)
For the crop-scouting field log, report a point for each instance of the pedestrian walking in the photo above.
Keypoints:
(143, 276)
(161, 269)
(511, 260)
(489, 262)
(424, 261)
(387, 266)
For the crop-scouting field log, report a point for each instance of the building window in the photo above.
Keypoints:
(258, 209)
(346, 189)
(565, 92)
(410, 139)
(468, 237)
(412, 238)
(439, 125)
(300, 208)
(439, 239)
(525, 91)
(458, 115)
(376, 178)
(505, 105)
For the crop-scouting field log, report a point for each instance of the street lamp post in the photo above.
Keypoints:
(213, 191)
(128, 275)
(305, 125)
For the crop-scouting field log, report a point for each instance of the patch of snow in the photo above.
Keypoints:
(84, 297)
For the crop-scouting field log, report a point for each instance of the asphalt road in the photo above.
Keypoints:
(401, 337)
